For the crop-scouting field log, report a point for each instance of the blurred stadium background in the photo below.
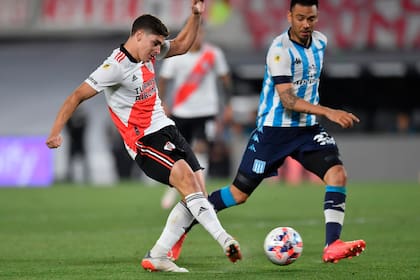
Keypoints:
(48, 47)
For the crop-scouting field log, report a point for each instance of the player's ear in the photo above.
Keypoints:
(289, 17)
(139, 35)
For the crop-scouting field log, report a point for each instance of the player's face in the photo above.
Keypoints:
(149, 46)
(302, 20)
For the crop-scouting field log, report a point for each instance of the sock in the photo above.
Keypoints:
(205, 214)
(334, 207)
(178, 220)
(222, 199)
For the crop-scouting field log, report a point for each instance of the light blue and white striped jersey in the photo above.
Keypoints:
(291, 61)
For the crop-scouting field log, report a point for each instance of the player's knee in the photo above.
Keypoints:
(183, 178)
(336, 176)
(243, 186)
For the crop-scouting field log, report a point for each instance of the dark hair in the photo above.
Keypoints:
(150, 24)
(303, 3)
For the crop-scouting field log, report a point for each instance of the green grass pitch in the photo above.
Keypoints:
(84, 232)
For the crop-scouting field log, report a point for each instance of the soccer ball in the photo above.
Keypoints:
(283, 245)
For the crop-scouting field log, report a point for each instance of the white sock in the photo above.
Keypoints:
(203, 212)
(178, 220)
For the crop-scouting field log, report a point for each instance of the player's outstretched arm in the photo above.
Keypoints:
(83, 92)
(292, 102)
(185, 38)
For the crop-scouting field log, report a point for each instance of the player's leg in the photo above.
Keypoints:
(184, 179)
(165, 159)
(185, 127)
(334, 207)
(156, 259)
(250, 174)
(324, 161)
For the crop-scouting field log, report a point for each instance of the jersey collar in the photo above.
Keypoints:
(306, 47)
(130, 57)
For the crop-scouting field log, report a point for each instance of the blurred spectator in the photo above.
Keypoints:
(78, 167)
(194, 99)
(122, 161)
(403, 122)
(219, 161)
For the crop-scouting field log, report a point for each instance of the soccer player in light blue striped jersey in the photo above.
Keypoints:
(287, 126)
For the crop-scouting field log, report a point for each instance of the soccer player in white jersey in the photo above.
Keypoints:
(287, 126)
(127, 79)
(193, 100)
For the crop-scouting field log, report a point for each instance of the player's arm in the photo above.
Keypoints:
(82, 93)
(291, 101)
(185, 38)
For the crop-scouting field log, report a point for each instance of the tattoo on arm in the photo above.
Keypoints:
(288, 98)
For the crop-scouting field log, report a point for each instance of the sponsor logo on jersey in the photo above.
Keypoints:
(147, 90)
(134, 78)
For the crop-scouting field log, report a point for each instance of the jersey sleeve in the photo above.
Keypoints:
(167, 68)
(106, 75)
(279, 64)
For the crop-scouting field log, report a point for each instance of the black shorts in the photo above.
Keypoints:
(267, 149)
(192, 128)
(157, 153)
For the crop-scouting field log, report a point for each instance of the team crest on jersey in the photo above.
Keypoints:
(169, 146)
(277, 58)
(258, 166)
(106, 66)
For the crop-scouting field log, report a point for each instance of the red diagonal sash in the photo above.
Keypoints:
(204, 64)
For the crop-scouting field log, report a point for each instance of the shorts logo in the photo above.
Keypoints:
(252, 148)
(255, 138)
(258, 166)
(324, 139)
(169, 146)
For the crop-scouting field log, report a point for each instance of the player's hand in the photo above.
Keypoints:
(197, 7)
(343, 118)
(54, 141)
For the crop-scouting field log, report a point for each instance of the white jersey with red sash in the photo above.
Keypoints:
(131, 94)
(195, 81)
